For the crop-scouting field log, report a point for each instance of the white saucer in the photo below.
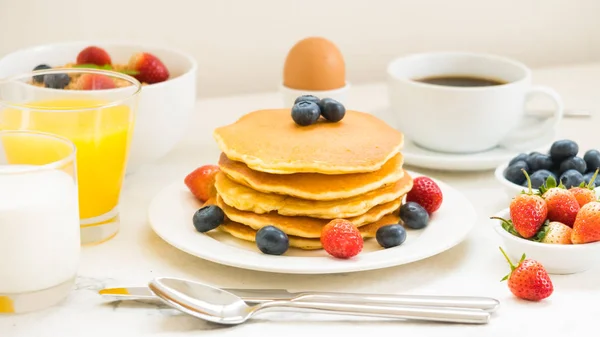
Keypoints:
(419, 157)
(171, 212)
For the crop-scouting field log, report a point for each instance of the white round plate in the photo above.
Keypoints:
(171, 211)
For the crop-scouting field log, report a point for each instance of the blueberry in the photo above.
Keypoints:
(305, 113)
(307, 98)
(588, 176)
(514, 174)
(519, 157)
(271, 240)
(540, 161)
(56, 81)
(592, 160)
(538, 178)
(390, 236)
(332, 110)
(571, 178)
(40, 78)
(208, 218)
(563, 149)
(573, 163)
(413, 215)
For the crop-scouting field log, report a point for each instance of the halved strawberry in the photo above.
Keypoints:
(95, 82)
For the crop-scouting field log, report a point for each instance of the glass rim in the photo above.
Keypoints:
(44, 167)
(30, 74)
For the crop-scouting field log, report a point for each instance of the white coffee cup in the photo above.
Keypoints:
(472, 119)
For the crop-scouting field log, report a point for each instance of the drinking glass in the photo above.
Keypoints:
(97, 119)
(39, 220)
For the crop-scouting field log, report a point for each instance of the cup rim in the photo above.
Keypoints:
(394, 63)
(45, 167)
(110, 73)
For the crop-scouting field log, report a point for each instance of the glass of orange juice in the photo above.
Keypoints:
(95, 109)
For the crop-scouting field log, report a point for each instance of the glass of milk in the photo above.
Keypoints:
(39, 220)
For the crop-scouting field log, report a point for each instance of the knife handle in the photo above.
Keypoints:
(482, 303)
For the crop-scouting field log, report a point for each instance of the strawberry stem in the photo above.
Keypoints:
(591, 184)
(528, 181)
(512, 266)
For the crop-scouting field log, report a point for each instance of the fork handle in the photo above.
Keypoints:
(431, 314)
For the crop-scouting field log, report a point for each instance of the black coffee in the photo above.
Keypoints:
(460, 81)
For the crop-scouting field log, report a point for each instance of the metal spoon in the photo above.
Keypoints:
(219, 306)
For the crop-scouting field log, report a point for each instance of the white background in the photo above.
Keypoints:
(241, 45)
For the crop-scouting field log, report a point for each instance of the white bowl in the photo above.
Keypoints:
(164, 108)
(556, 258)
(289, 95)
(511, 189)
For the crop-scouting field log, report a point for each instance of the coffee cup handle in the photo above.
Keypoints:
(526, 135)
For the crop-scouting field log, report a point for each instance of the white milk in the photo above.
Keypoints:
(39, 230)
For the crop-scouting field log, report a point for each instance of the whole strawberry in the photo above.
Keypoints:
(201, 182)
(585, 193)
(341, 239)
(426, 193)
(528, 212)
(528, 280)
(93, 55)
(556, 233)
(587, 224)
(149, 67)
(562, 205)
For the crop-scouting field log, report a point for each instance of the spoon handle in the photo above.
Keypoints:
(466, 302)
(431, 314)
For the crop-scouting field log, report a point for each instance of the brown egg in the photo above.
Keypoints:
(314, 64)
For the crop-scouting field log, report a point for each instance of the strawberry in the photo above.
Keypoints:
(94, 55)
(556, 233)
(562, 205)
(341, 239)
(587, 224)
(150, 69)
(528, 280)
(528, 212)
(95, 82)
(585, 193)
(426, 193)
(201, 182)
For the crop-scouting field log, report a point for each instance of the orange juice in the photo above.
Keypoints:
(101, 136)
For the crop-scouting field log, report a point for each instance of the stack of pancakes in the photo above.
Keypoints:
(274, 172)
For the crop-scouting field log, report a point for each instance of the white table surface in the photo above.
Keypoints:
(474, 267)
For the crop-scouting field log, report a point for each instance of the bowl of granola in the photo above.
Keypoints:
(168, 80)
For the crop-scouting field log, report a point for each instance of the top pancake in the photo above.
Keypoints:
(269, 141)
(314, 186)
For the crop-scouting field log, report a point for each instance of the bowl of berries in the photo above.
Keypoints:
(168, 79)
(555, 225)
(561, 162)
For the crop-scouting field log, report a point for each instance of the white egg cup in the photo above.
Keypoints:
(289, 95)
